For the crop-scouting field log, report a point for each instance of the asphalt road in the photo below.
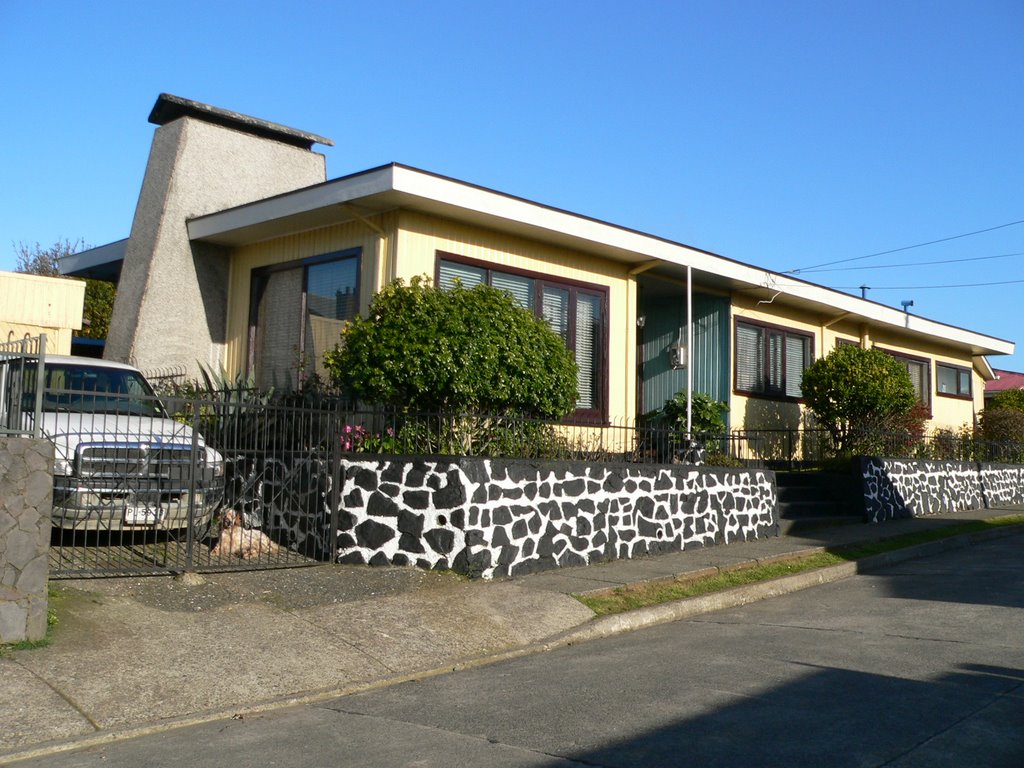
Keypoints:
(921, 665)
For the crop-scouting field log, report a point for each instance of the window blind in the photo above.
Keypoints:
(277, 329)
(520, 287)
(467, 275)
(797, 353)
(555, 310)
(749, 358)
(588, 344)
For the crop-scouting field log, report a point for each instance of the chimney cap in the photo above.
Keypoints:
(169, 107)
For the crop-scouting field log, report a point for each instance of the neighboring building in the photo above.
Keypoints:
(243, 256)
(1003, 381)
(32, 304)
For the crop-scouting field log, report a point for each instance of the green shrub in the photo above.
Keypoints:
(857, 395)
(1008, 399)
(707, 415)
(422, 348)
(1003, 432)
(663, 431)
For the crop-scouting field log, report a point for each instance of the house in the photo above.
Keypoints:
(243, 255)
(1003, 381)
(31, 305)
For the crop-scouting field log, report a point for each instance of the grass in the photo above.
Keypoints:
(54, 598)
(635, 596)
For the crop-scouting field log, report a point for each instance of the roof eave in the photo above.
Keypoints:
(396, 186)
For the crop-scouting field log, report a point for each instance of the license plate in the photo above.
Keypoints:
(142, 515)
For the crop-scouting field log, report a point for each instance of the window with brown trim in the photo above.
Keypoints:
(952, 380)
(920, 371)
(578, 312)
(771, 361)
(296, 313)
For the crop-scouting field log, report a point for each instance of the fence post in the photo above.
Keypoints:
(190, 534)
(337, 478)
(37, 427)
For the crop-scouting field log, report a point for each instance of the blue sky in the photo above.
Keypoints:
(783, 134)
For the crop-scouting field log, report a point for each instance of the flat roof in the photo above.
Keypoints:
(397, 186)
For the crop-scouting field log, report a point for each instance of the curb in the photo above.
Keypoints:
(598, 628)
(630, 621)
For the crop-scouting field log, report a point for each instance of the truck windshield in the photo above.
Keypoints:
(83, 388)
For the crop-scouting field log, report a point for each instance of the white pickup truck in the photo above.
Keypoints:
(121, 462)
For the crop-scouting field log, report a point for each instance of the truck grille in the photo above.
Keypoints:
(162, 462)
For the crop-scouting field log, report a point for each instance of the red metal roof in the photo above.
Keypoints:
(1004, 380)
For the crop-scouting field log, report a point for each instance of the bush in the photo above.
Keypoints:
(665, 429)
(1008, 399)
(962, 444)
(1003, 425)
(707, 415)
(421, 348)
(856, 394)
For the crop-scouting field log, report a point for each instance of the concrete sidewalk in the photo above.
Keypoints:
(134, 655)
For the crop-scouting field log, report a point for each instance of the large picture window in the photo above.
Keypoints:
(296, 314)
(771, 361)
(575, 311)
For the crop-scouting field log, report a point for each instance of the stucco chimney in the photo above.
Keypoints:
(203, 159)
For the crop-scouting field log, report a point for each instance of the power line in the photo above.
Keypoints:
(924, 287)
(905, 247)
(915, 263)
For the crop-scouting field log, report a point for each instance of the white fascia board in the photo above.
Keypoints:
(514, 209)
(291, 203)
(891, 316)
(93, 257)
(984, 368)
(631, 246)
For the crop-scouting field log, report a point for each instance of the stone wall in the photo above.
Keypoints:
(491, 517)
(1003, 484)
(26, 494)
(901, 488)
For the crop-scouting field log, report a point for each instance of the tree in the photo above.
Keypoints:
(36, 260)
(856, 392)
(99, 305)
(99, 294)
(423, 348)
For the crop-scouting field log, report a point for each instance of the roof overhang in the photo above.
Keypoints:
(394, 186)
(100, 263)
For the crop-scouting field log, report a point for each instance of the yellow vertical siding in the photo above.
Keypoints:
(52, 302)
(31, 304)
(357, 234)
(765, 413)
(420, 237)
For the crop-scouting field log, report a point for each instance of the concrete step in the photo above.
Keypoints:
(803, 525)
(812, 508)
(795, 493)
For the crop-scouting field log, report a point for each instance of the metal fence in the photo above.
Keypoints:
(21, 368)
(810, 448)
(143, 485)
(239, 480)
